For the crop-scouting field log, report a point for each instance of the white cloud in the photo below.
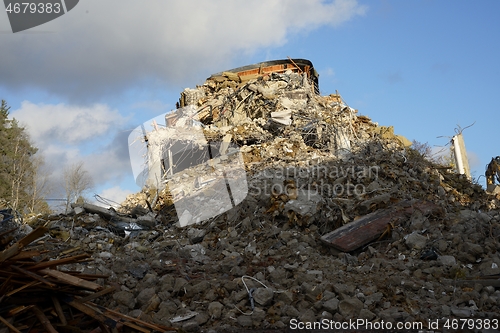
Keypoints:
(66, 134)
(68, 124)
(101, 47)
(115, 195)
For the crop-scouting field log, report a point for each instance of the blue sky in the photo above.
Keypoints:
(80, 83)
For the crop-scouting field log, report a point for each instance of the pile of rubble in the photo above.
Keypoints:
(341, 218)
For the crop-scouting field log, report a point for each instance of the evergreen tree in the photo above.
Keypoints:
(5, 185)
(17, 171)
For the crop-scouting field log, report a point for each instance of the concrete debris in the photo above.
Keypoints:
(415, 241)
(304, 167)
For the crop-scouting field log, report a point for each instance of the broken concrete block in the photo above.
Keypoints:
(215, 309)
(282, 117)
(148, 220)
(196, 235)
(263, 296)
(125, 298)
(447, 260)
(461, 312)
(331, 305)
(415, 241)
(306, 204)
(78, 210)
(350, 307)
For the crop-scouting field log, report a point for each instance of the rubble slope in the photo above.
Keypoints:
(313, 164)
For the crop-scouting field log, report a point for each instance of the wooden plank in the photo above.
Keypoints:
(9, 325)
(70, 279)
(18, 246)
(138, 321)
(83, 307)
(27, 255)
(368, 228)
(355, 234)
(31, 284)
(126, 323)
(63, 261)
(4, 286)
(34, 276)
(44, 320)
(18, 310)
(59, 311)
(136, 327)
(10, 252)
(70, 250)
(32, 236)
(97, 294)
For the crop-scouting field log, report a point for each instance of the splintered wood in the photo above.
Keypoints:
(35, 296)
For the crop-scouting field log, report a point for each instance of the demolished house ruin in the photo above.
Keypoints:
(210, 143)
(265, 205)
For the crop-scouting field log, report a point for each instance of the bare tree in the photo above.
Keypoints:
(77, 181)
(21, 167)
(39, 187)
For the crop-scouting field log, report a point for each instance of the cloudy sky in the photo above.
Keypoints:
(82, 82)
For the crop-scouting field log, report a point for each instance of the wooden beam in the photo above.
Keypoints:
(44, 320)
(96, 295)
(59, 311)
(34, 276)
(368, 228)
(4, 286)
(140, 322)
(70, 279)
(27, 255)
(18, 310)
(9, 325)
(31, 284)
(18, 246)
(63, 261)
(33, 236)
(90, 312)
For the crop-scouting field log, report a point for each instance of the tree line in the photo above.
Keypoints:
(24, 183)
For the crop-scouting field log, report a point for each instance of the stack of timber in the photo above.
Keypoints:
(37, 296)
